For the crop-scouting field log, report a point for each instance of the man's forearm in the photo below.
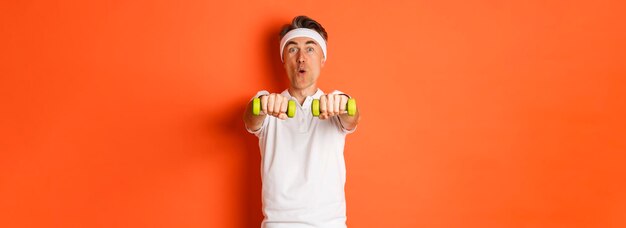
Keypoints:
(349, 122)
(253, 122)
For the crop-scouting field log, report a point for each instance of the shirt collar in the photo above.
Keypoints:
(316, 95)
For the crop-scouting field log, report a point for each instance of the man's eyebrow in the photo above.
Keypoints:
(311, 42)
(294, 43)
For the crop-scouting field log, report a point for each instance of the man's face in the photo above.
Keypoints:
(303, 61)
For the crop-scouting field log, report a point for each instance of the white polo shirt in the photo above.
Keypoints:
(303, 169)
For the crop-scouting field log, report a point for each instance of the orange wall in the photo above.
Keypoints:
(485, 114)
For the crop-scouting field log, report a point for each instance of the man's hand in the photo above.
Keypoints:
(271, 104)
(275, 105)
(333, 105)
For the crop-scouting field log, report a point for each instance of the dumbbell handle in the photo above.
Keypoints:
(315, 107)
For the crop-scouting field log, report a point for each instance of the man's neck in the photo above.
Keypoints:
(301, 94)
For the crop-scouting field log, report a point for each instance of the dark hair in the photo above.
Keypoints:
(304, 22)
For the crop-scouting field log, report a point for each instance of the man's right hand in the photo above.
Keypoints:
(272, 104)
(275, 105)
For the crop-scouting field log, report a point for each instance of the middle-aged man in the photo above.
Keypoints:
(302, 162)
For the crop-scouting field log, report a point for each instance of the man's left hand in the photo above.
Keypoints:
(333, 105)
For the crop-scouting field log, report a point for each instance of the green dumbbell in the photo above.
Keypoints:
(350, 107)
(256, 107)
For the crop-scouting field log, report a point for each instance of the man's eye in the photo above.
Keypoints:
(292, 50)
(310, 49)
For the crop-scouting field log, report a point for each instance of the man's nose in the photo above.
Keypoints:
(301, 57)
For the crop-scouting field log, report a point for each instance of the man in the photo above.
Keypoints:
(302, 162)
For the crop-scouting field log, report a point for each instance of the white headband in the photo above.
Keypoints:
(303, 32)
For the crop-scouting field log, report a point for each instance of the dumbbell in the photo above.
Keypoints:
(291, 107)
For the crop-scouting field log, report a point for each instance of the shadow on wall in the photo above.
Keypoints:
(233, 125)
(250, 185)
(271, 54)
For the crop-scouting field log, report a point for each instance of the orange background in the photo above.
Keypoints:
(484, 114)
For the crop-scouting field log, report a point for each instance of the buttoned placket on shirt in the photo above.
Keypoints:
(303, 124)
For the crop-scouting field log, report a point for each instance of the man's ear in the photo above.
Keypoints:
(323, 61)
